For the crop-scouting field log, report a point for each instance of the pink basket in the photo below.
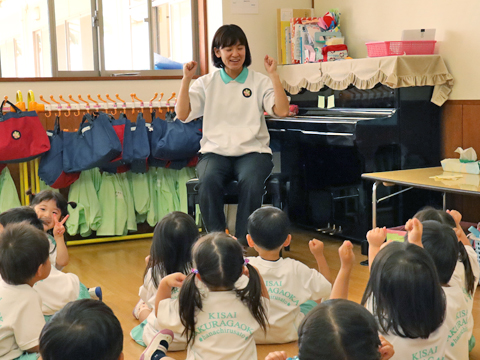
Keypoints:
(394, 48)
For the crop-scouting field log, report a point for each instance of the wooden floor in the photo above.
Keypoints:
(118, 268)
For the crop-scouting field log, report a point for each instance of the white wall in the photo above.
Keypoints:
(457, 25)
(260, 30)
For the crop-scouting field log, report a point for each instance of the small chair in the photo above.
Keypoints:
(276, 187)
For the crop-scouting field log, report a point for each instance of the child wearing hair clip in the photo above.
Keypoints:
(218, 324)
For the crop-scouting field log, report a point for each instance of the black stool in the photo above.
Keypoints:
(276, 186)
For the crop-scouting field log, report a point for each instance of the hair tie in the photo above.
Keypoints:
(246, 261)
(194, 271)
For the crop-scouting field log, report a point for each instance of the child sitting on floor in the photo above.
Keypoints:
(24, 260)
(293, 287)
(58, 288)
(220, 323)
(82, 330)
(339, 329)
(405, 296)
(467, 269)
(51, 209)
(171, 252)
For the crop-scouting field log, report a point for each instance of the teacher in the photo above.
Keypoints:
(235, 142)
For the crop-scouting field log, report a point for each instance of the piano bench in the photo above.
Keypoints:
(276, 191)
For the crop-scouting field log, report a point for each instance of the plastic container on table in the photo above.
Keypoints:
(395, 48)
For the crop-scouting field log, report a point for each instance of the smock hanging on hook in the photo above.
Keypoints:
(46, 102)
(150, 103)
(76, 102)
(68, 105)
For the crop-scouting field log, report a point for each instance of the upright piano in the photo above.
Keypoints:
(325, 151)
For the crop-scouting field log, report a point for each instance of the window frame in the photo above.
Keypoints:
(200, 50)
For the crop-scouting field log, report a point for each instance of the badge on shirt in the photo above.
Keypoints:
(247, 92)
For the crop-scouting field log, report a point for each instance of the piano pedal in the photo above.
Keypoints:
(331, 231)
(325, 229)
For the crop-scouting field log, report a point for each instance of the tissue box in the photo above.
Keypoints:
(454, 165)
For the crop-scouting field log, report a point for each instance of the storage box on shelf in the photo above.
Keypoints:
(393, 48)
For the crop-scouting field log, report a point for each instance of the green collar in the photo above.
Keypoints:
(240, 78)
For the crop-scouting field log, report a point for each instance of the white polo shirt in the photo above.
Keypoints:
(233, 112)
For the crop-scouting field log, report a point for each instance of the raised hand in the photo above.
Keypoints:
(189, 69)
(270, 64)
(316, 247)
(456, 216)
(58, 227)
(376, 237)
(415, 230)
(347, 257)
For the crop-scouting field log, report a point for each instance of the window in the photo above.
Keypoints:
(44, 38)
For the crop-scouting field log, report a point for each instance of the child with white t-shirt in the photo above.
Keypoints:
(467, 270)
(441, 242)
(405, 296)
(293, 287)
(58, 288)
(24, 260)
(218, 323)
(171, 251)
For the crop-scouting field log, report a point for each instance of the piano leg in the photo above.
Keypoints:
(374, 204)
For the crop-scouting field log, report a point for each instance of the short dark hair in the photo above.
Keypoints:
(269, 227)
(83, 330)
(19, 214)
(441, 243)
(46, 195)
(229, 35)
(23, 248)
(346, 329)
(404, 292)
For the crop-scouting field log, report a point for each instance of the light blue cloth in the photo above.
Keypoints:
(28, 356)
(137, 333)
(307, 306)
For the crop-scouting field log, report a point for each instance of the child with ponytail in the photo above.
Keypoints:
(218, 323)
(467, 270)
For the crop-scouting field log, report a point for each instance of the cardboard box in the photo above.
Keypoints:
(283, 28)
